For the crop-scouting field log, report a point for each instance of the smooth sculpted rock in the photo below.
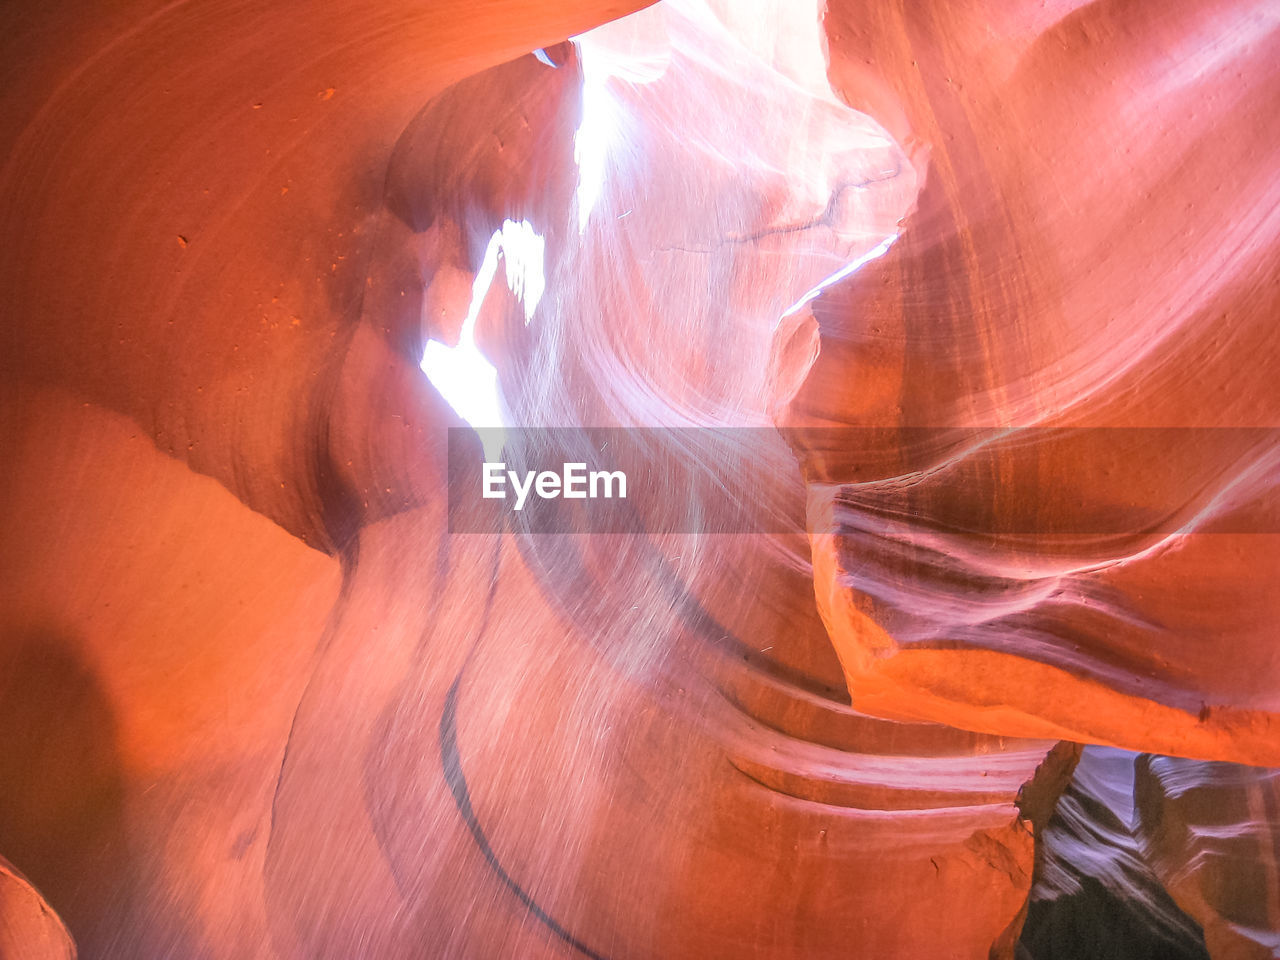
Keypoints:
(29, 929)
(1095, 896)
(633, 745)
(262, 700)
(1212, 833)
(1050, 506)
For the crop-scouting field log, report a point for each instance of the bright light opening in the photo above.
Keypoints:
(462, 374)
(523, 256)
(877, 251)
(595, 131)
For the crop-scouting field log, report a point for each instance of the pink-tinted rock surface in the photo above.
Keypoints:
(1095, 894)
(1212, 833)
(260, 702)
(29, 929)
(1093, 249)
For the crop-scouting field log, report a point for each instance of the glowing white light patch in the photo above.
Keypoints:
(462, 374)
(633, 50)
(878, 251)
(523, 256)
(595, 131)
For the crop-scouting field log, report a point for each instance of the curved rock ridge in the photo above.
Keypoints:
(1077, 315)
(29, 929)
(1212, 833)
(676, 803)
(1094, 894)
(262, 700)
(641, 744)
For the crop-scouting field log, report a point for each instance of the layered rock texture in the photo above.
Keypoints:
(945, 329)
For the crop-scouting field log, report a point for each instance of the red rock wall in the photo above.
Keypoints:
(260, 701)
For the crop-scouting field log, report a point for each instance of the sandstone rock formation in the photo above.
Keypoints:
(1210, 831)
(29, 929)
(261, 699)
(1079, 578)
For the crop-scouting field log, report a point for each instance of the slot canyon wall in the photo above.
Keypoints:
(947, 629)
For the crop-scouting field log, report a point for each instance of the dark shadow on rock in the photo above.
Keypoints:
(1104, 902)
(61, 786)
